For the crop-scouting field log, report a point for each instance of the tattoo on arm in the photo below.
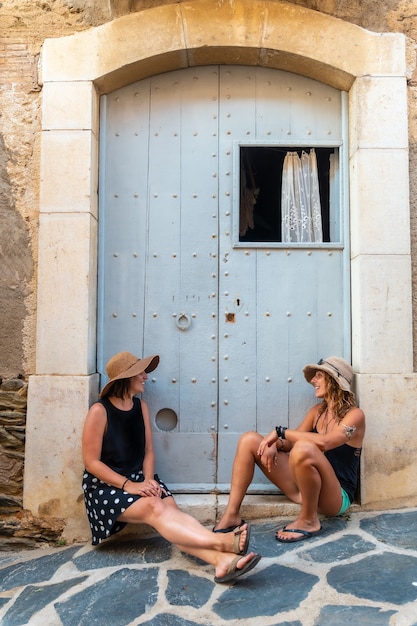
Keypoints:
(349, 430)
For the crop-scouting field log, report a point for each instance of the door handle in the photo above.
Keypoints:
(183, 321)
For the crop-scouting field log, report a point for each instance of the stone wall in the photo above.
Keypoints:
(18, 528)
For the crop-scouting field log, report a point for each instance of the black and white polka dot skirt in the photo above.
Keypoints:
(105, 504)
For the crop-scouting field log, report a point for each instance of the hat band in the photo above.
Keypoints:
(323, 361)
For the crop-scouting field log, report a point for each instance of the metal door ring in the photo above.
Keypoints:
(183, 321)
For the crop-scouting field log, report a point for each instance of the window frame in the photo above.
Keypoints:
(337, 194)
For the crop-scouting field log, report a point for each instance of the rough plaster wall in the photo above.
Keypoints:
(24, 24)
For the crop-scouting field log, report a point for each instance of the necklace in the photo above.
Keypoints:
(327, 420)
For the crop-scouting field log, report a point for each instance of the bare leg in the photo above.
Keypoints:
(318, 485)
(178, 527)
(242, 474)
(187, 533)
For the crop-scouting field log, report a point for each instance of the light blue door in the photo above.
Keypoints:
(233, 320)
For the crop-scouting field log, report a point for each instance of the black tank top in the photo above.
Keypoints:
(124, 440)
(345, 462)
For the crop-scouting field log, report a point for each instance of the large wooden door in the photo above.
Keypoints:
(233, 321)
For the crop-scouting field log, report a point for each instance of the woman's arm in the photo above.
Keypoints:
(149, 458)
(306, 426)
(92, 442)
(351, 430)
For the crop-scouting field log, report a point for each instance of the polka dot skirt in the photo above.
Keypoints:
(105, 504)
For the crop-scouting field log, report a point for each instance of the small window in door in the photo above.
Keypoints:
(269, 197)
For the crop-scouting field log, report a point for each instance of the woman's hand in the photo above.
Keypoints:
(269, 457)
(146, 488)
(267, 442)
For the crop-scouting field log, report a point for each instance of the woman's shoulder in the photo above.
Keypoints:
(98, 409)
(356, 413)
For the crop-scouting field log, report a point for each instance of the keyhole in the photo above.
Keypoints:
(237, 301)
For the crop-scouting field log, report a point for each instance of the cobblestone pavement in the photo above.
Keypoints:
(362, 569)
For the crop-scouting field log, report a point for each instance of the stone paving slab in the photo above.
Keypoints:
(362, 569)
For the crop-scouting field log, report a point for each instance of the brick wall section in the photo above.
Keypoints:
(17, 65)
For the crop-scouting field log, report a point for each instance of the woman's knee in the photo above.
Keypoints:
(303, 451)
(144, 509)
(249, 442)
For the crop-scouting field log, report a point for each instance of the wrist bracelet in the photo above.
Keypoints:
(126, 481)
(281, 431)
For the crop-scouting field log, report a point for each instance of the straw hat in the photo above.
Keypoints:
(338, 368)
(126, 365)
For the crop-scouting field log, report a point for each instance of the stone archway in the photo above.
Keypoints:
(75, 71)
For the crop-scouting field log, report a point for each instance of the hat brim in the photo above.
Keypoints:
(310, 370)
(142, 365)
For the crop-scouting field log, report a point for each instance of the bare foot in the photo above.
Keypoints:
(308, 527)
(227, 523)
(227, 559)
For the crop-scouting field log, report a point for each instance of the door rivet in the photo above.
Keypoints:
(267, 379)
(289, 380)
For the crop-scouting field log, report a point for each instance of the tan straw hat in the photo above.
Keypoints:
(337, 367)
(126, 365)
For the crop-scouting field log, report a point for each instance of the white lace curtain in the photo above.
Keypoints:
(300, 200)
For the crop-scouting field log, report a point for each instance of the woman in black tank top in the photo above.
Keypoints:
(316, 464)
(120, 485)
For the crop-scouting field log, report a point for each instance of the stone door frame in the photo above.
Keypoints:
(75, 71)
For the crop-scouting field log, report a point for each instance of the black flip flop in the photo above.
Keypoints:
(229, 529)
(305, 534)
